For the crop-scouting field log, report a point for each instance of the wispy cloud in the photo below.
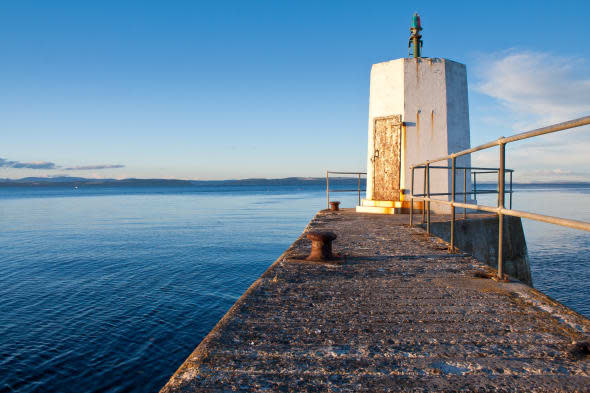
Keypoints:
(4, 163)
(535, 89)
(27, 165)
(93, 167)
(544, 175)
(549, 87)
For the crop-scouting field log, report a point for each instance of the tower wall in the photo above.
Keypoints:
(431, 96)
(386, 98)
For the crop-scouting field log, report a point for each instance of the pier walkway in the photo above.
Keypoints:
(400, 314)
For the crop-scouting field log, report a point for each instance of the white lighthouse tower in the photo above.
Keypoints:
(418, 110)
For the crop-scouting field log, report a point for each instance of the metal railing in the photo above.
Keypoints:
(359, 190)
(500, 210)
(474, 171)
(493, 170)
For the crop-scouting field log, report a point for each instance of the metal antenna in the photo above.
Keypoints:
(415, 37)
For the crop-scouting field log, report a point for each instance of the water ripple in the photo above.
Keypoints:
(110, 291)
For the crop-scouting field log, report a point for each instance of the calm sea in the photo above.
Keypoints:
(110, 289)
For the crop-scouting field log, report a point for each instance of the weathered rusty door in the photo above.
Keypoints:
(386, 158)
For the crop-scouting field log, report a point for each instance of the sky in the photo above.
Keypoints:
(243, 89)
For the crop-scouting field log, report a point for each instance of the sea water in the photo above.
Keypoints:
(110, 289)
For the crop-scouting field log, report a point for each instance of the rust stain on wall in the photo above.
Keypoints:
(432, 124)
(404, 142)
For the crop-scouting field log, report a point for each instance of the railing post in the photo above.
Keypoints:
(453, 160)
(510, 190)
(423, 201)
(328, 188)
(498, 189)
(428, 195)
(412, 200)
(465, 191)
(475, 185)
(500, 215)
(359, 188)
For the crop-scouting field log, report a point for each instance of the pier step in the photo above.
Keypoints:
(387, 207)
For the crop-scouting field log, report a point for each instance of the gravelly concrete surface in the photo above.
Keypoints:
(400, 314)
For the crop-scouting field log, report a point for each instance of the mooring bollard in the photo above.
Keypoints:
(321, 246)
(335, 206)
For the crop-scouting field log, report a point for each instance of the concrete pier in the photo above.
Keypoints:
(397, 313)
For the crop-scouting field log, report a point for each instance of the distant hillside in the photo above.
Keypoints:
(276, 182)
(79, 181)
(65, 181)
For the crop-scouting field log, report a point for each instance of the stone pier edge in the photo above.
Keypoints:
(527, 294)
(201, 349)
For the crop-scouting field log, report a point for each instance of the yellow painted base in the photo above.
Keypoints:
(377, 210)
(388, 207)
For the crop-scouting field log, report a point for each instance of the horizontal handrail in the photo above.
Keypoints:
(460, 193)
(347, 173)
(359, 190)
(575, 224)
(492, 170)
(582, 121)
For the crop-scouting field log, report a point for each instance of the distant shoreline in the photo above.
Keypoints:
(288, 181)
(132, 182)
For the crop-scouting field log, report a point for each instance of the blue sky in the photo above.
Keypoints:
(235, 89)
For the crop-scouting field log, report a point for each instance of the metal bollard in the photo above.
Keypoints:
(321, 246)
